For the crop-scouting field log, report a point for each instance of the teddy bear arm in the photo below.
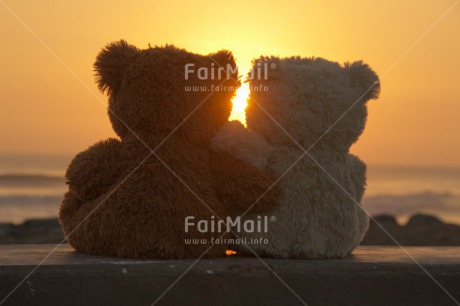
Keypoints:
(242, 143)
(357, 170)
(241, 185)
(93, 171)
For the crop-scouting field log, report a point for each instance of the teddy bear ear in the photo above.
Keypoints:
(366, 77)
(266, 68)
(110, 63)
(223, 57)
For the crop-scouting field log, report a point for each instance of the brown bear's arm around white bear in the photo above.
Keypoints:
(93, 171)
(240, 185)
(242, 143)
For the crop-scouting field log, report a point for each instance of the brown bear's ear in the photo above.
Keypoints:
(225, 59)
(110, 63)
(362, 74)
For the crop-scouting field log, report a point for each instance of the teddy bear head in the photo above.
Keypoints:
(312, 100)
(157, 91)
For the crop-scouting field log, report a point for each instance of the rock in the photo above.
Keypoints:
(420, 230)
(51, 223)
(378, 236)
(31, 231)
(423, 220)
(387, 219)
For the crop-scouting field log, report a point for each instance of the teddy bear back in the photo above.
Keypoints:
(311, 98)
(150, 97)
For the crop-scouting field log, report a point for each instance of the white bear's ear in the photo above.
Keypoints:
(110, 63)
(266, 68)
(362, 74)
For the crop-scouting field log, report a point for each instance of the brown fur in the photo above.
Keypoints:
(142, 215)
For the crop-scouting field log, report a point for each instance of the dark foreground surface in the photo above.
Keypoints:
(371, 276)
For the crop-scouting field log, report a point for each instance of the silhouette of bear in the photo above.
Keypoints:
(129, 196)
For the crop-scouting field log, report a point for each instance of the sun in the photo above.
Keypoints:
(240, 101)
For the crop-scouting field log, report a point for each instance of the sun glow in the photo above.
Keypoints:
(230, 252)
(240, 101)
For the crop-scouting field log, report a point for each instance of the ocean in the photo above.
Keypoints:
(32, 186)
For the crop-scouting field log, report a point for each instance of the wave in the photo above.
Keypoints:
(30, 180)
(27, 199)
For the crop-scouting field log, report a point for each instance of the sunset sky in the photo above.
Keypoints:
(49, 102)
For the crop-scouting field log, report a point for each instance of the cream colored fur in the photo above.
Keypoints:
(306, 96)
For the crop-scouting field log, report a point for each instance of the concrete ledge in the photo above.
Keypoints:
(371, 276)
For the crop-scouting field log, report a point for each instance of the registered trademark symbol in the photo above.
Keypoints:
(273, 66)
(272, 218)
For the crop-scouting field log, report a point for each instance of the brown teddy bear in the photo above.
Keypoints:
(129, 197)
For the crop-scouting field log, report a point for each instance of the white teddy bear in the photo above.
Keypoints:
(318, 106)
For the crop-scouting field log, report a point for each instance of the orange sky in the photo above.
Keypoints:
(50, 104)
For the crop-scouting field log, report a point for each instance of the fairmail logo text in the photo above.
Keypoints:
(213, 225)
